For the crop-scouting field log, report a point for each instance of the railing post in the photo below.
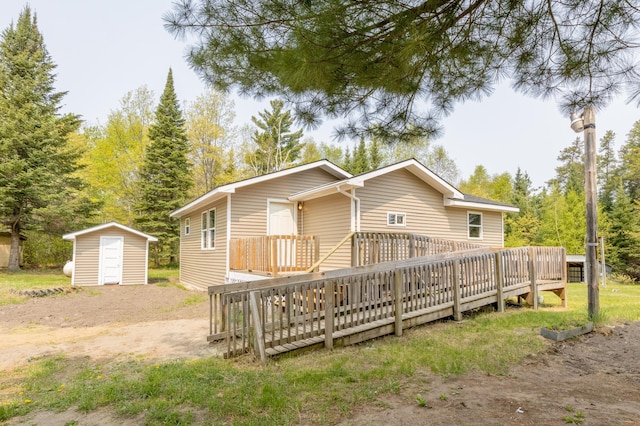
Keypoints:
(210, 314)
(273, 258)
(398, 282)
(257, 326)
(329, 291)
(532, 277)
(499, 281)
(457, 282)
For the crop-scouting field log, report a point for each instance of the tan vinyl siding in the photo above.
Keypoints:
(249, 217)
(330, 219)
(87, 257)
(201, 268)
(402, 192)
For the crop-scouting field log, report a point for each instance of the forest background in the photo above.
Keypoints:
(114, 171)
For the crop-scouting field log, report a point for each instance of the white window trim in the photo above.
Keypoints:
(396, 214)
(469, 226)
(205, 233)
(187, 226)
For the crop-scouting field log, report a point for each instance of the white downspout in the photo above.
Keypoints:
(355, 223)
(228, 236)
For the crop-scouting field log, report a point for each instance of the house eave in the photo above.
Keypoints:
(453, 202)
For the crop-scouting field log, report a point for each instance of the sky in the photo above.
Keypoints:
(104, 49)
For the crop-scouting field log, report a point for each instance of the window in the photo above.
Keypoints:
(396, 219)
(474, 221)
(209, 229)
(187, 226)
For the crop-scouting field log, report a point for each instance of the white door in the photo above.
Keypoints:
(110, 260)
(281, 219)
(281, 222)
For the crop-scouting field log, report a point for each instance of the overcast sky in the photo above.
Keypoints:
(105, 49)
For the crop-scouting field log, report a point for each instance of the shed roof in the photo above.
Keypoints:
(72, 236)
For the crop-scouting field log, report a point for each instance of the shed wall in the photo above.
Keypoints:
(87, 257)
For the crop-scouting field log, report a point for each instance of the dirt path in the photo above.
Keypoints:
(108, 323)
(594, 380)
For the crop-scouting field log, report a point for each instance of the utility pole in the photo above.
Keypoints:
(587, 122)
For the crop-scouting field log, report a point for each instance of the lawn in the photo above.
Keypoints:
(321, 386)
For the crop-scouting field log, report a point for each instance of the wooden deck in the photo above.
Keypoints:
(271, 317)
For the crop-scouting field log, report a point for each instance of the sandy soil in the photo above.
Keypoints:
(597, 375)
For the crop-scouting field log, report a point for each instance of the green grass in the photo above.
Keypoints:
(28, 280)
(315, 388)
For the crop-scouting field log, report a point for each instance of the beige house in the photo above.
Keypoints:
(5, 248)
(109, 254)
(288, 220)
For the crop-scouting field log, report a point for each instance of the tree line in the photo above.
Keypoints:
(148, 158)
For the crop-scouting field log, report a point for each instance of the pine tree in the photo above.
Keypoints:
(623, 235)
(607, 171)
(164, 178)
(360, 162)
(277, 147)
(36, 163)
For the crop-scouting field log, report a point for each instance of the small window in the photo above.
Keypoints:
(187, 226)
(475, 225)
(396, 219)
(209, 229)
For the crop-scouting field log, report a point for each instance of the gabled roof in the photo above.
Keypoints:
(452, 196)
(222, 191)
(72, 236)
(411, 165)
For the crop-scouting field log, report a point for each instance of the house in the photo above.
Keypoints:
(5, 248)
(291, 219)
(110, 253)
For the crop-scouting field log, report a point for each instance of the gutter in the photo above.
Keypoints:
(354, 215)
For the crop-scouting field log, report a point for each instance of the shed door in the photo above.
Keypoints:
(111, 260)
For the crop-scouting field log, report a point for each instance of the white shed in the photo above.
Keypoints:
(109, 254)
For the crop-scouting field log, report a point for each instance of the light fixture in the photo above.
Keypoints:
(577, 122)
(300, 204)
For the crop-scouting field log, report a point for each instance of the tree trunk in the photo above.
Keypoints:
(14, 251)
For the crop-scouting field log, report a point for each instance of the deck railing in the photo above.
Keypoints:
(348, 306)
(273, 254)
(369, 248)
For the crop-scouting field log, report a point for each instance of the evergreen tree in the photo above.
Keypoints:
(277, 147)
(570, 173)
(360, 162)
(37, 164)
(164, 178)
(396, 66)
(607, 171)
(630, 163)
(622, 235)
(376, 158)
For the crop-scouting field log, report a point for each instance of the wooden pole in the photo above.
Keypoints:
(457, 290)
(499, 282)
(257, 326)
(590, 181)
(398, 295)
(330, 288)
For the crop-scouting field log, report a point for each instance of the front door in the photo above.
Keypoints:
(282, 222)
(110, 260)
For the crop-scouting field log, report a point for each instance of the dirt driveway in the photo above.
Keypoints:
(108, 323)
(594, 380)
